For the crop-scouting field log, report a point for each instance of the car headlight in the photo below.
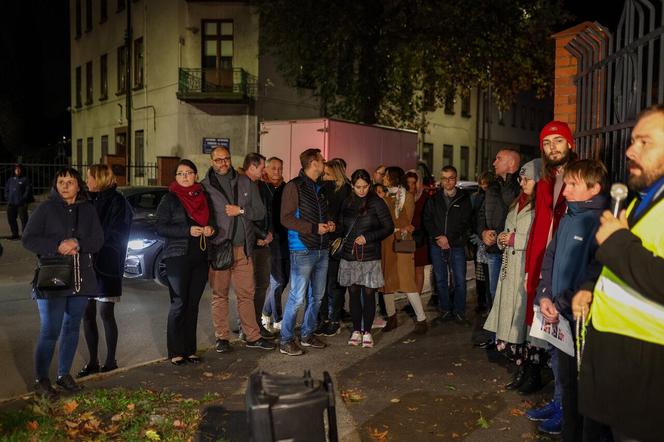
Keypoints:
(140, 244)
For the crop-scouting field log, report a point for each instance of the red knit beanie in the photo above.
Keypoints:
(557, 128)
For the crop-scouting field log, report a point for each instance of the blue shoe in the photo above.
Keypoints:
(543, 413)
(554, 425)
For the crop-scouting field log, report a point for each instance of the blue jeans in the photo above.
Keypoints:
(454, 259)
(59, 318)
(495, 262)
(308, 275)
(555, 367)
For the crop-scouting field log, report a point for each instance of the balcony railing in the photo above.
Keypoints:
(232, 85)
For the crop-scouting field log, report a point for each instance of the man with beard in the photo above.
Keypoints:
(557, 144)
(621, 381)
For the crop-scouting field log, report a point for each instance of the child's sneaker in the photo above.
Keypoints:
(355, 339)
(553, 425)
(367, 340)
(543, 413)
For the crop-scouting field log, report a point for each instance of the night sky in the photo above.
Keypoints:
(34, 73)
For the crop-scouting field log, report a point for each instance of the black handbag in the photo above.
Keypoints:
(59, 273)
(221, 255)
(337, 246)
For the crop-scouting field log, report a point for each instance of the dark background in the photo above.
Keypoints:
(35, 65)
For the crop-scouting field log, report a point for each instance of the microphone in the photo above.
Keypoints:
(618, 195)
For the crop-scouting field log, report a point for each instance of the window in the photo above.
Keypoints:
(79, 19)
(103, 84)
(429, 100)
(122, 70)
(88, 83)
(487, 109)
(465, 163)
(217, 60)
(103, 10)
(138, 63)
(501, 117)
(449, 103)
(91, 151)
(104, 147)
(121, 5)
(79, 151)
(79, 86)
(448, 154)
(139, 153)
(514, 114)
(88, 15)
(427, 154)
(465, 104)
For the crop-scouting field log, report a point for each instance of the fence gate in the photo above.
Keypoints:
(619, 74)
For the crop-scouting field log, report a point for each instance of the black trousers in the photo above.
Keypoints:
(279, 277)
(262, 257)
(14, 212)
(187, 277)
(334, 297)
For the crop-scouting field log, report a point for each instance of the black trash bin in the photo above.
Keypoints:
(290, 408)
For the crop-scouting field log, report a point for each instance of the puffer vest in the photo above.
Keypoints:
(312, 207)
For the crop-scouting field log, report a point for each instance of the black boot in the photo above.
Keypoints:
(519, 377)
(533, 379)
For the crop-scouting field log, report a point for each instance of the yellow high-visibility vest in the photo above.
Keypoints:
(617, 307)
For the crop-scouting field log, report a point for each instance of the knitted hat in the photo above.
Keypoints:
(532, 170)
(557, 128)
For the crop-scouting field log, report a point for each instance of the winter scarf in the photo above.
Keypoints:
(194, 202)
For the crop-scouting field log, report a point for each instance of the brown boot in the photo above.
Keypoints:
(391, 323)
(421, 327)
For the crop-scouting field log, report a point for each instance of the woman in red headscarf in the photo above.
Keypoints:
(184, 218)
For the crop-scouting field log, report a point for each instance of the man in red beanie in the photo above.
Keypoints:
(557, 144)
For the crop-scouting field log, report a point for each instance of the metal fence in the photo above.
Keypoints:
(619, 74)
(41, 175)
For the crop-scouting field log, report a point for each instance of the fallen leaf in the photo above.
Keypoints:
(117, 417)
(450, 387)
(412, 408)
(32, 426)
(377, 435)
(131, 407)
(395, 400)
(410, 375)
(152, 435)
(455, 435)
(517, 412)
(351, 395)
(207, 374)
(225, 375)
(482, 423)
(504, 429)
(449, 373)
(71, 424)
(457, 364)
(69, 407)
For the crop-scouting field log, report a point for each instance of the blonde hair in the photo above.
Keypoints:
(103, 175)
(338, 171)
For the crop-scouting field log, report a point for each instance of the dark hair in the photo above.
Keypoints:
(411, 174)
(269, 160)
(361, 174)
(19, 166)
(309, 156)
(590, 171)
(487, 176)
(395, 175)
(449, 168)
(72, 173)
(382, 186)
(187, 163)
(252, 159)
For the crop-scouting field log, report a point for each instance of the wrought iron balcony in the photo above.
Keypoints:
(225, 85)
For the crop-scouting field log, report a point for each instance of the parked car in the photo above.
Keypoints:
(143, 260)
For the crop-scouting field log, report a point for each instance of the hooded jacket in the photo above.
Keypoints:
(569, 259)
(54, 221)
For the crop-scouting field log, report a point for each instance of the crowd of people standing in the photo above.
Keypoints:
(546, 251)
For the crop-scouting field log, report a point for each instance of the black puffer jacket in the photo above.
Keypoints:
(455, 222)
(497, 200)
(374, 222)
(335, 200)
(54, 221)
(115, 215)
(174, 224)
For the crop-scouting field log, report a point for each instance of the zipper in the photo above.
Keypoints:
(447, 211)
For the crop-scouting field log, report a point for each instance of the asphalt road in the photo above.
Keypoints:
(141, 317)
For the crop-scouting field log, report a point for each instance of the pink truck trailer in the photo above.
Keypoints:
(361, 146)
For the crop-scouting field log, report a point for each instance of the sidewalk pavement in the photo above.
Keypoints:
(435, 386)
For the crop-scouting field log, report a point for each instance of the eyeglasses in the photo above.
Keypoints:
(222, 160)
(185, 174)
(451, 178)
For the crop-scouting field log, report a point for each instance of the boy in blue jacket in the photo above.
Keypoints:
(568, 263)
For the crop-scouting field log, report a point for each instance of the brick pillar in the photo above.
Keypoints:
(564, 94)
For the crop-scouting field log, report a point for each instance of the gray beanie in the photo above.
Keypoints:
(532, 170)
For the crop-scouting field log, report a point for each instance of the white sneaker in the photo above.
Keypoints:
(266, 320)
(276, 327)
(367, 340)
(378, 322)
(355, 339)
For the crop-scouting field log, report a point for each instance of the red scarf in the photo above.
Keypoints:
(546, 214)
(523, 201)
(194, 202)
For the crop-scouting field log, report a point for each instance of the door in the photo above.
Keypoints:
(217, 57)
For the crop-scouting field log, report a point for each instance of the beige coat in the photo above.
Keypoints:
(508, 314)
(399, 268)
